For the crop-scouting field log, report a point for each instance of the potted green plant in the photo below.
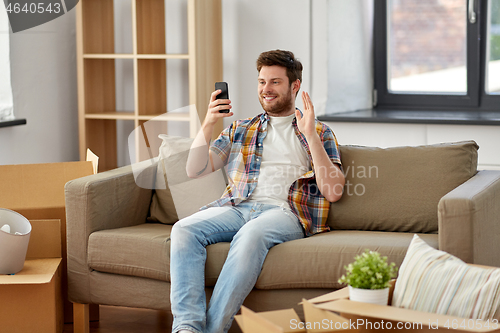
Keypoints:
(368, 278)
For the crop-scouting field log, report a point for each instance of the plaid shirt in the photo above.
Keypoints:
(240, 148)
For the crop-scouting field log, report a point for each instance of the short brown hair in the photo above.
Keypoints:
(284, 59)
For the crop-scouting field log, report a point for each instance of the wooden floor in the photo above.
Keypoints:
(127, 320)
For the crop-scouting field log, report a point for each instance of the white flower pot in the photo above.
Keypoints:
(373, 296)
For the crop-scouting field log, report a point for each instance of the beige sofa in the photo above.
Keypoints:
(118, 232)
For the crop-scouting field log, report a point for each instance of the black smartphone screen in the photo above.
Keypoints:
(224, 93)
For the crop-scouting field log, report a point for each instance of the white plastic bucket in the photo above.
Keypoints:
(13, 244)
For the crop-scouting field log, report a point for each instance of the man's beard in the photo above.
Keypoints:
(283, 104)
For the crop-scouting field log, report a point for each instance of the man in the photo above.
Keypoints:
(284, 170)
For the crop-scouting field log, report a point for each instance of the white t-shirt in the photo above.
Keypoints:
(284, 160)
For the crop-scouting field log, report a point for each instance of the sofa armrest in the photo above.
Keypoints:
(102, 201)
(469, 220)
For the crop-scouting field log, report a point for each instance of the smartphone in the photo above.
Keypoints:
(224, 93)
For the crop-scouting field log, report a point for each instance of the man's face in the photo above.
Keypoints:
(275, 93)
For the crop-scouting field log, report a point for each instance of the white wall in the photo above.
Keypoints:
(43, 68)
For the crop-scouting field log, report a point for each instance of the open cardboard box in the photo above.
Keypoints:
(366, 317)
(287, 321)
(268, 322)
(334, 312)
(31, 300)
(36, 191)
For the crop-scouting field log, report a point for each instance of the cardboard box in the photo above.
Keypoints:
(45, 240)
(365, 317)
(31, 300)
(334, 312)
(287, 321)
(269, 322)
(37, 192)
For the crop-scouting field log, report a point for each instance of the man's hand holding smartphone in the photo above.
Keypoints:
(220, 104)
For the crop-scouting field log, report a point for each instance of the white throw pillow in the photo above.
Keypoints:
(435, 281)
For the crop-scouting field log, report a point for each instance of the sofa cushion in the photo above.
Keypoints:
(313, 262)
(176, 195)
(398, 189)
(142, 250)
(318, 261)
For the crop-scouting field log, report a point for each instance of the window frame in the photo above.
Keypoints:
(475, 99)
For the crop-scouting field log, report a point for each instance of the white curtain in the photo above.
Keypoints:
(342, 39)
(6, 102)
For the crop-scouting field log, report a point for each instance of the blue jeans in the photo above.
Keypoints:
(252, 228)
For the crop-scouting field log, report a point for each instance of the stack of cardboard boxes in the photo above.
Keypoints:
(35, 299)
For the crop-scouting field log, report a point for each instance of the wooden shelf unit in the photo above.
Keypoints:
(96, 62)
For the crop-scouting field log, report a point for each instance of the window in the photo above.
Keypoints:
(437, 54)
